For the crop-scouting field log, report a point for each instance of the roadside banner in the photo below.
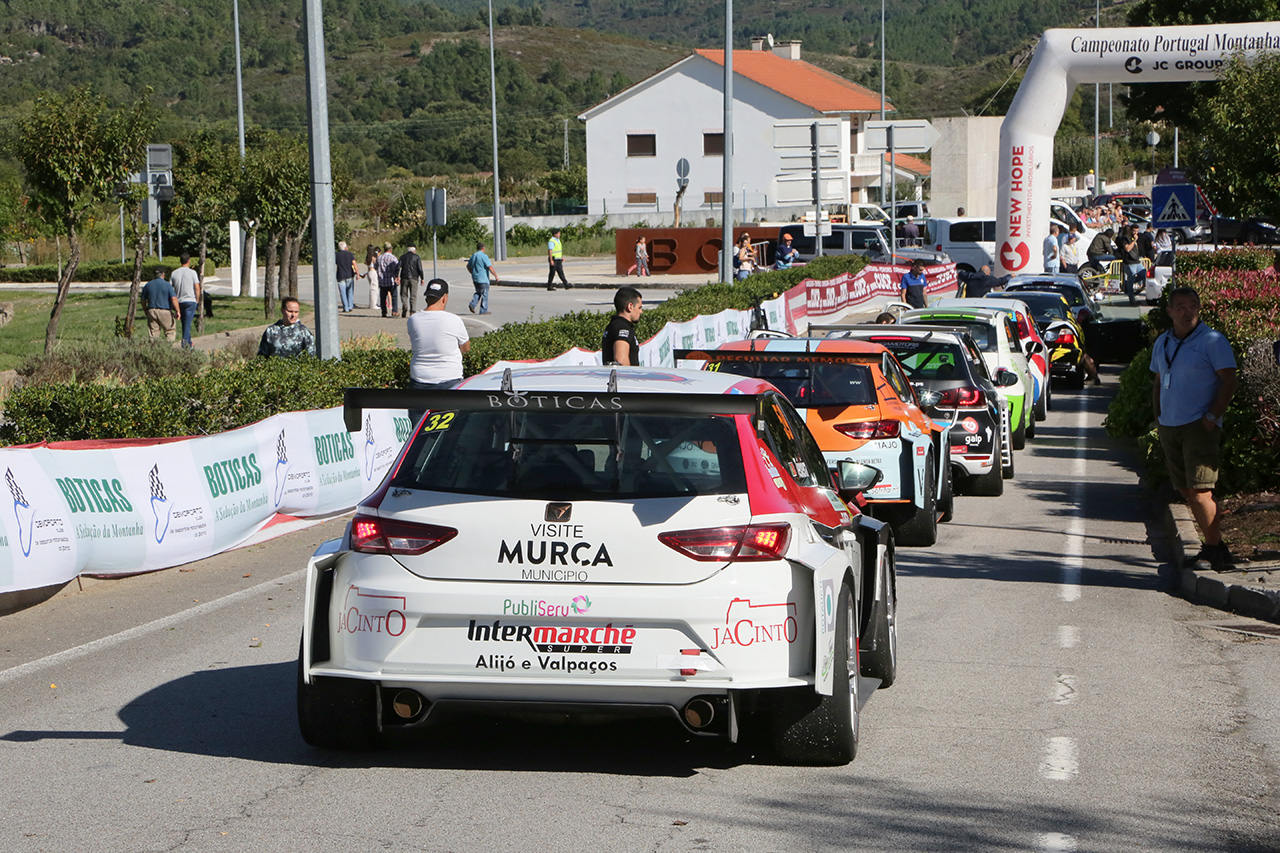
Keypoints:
(121, 507)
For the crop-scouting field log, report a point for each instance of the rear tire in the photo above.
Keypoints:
(337, 713)
(882, 662)
(806, 727)
(919, 525)
(1042, 405)
(990, 484)
(1020, 434)
(1075, 381)
(1006, 471)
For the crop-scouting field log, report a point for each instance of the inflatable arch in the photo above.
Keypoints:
(1067, 58)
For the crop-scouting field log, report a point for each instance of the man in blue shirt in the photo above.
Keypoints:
(913, 286)
(786, 255)
(160, 302)
(482, 275)
(1195, 376)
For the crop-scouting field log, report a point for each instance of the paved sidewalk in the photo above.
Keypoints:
(1250, 589)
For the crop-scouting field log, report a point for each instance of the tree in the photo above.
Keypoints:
(206, 185)
(75, 152)
(276, 194)
(1236, 156)
(132, 197)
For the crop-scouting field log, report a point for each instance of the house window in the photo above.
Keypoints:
(642, 198)
(642, 145)
(713, 197)
(713, 145)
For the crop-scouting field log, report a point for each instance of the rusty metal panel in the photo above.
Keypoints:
(683, 251)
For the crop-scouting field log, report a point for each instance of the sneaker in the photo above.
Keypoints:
(1219, 557)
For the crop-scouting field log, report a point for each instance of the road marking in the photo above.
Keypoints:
(1061, 759)
(1073, 558)
(68, 655)
(1068, 636)
(1056, 842)
(1064, 690)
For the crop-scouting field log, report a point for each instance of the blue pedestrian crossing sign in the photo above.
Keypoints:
(1173, 205)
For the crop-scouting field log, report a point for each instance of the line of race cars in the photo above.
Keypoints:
(714, 545)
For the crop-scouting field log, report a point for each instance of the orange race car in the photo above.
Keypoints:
(859, 406)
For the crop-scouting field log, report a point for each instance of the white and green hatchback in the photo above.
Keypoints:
(997, 337)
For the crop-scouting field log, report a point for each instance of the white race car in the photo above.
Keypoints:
(594, 540)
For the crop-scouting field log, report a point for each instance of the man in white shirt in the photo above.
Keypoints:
(1052, 261)
(438, 339)
(186, 282)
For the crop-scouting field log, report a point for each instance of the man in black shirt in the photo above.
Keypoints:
(975, 285)
(410, 277)
(619, 344)
(345, 263)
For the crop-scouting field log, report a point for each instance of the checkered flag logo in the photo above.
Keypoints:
(282, 450)
(14, 488)
(157, 487)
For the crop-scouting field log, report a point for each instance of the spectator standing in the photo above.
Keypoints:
(160, 303)
(744, 258)
(911, 231)
(409, 278)
(345, 264)
(1052, 255)
(482, 275)
(1147, 244)
(555, 261)
(438, 340)
(371, 272)
(1164, 248)
(618, 344)
(914, 284)
(287, 336)
(642, 256)
(975, 285)
(1071, 253)
(388, 266)
(1089, 182)
(187, 283)
(786, 255)
(1100, 251)
(1134, 272)
(1195, 376)
(959, 212)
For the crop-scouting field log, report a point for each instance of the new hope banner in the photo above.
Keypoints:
(129, 506)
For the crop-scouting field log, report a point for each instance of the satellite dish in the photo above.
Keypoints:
(768, 39)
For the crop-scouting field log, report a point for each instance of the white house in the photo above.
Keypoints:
(636, 138)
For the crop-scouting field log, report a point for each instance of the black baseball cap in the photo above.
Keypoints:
(436, 288)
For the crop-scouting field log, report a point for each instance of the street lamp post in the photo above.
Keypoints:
(726, 200)
(499, 229)
(323, 251)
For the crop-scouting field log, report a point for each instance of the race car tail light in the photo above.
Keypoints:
(962, 398)
(1065, 337)
(870, 429)
(1024, 327)
(371, 535)
(744, 544)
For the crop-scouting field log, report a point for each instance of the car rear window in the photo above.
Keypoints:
(810, 385)
(923, 360)
(573, 455)
(983, 334)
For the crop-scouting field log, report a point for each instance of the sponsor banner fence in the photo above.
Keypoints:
(110, 508)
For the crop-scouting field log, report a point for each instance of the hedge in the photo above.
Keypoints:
(223, 398)
(96, 273)
(1245, 306)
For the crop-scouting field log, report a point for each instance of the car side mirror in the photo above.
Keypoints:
(1005, 378)
(1034, 347)
(856, 477)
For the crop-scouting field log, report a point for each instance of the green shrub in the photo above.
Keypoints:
(116, 359)
(214, 401)
(95, 272)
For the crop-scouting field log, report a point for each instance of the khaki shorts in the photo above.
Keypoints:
(1192, 454)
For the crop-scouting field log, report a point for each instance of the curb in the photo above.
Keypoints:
(1208, 587)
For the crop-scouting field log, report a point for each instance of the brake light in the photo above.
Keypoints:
(870, 429)
(1024, 328)
(749, 543)
(1065, 337)
(371, 535)
(962, 398)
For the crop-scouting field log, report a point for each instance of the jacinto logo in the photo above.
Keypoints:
(1133, 65)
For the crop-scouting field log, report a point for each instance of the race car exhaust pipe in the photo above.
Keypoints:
(699, 713)
(407, 705)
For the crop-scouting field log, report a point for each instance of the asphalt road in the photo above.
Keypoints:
(1052, 696)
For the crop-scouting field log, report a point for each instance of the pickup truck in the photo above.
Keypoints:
(865, 239)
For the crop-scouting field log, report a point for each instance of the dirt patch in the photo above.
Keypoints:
(1251, 526)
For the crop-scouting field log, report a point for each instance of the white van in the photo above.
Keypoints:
(969, 241)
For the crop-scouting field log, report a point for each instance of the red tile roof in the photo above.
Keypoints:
(805, 83)
(911, 164)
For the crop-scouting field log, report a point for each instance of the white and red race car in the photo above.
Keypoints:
(591, 540)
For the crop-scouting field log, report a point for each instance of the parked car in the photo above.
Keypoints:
(1069, 285)
(1124, 197)
(603, 541)
(860, 407)
(872, 241)
(970, 241)
(1030, 342)
(951, 379)
(1257, 230)
(909, 207)
(997, 338)
(867, 213)
(1062, 335)
(1111, 340)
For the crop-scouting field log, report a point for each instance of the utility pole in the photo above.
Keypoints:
(726, 200)
(323, 252)
(566, 143)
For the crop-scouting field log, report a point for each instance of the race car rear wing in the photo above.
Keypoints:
(507, 398)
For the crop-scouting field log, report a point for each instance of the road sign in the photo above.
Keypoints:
(436, 205)
(822, 229)
(1173, 205)
(682, 168)
(908, 135)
